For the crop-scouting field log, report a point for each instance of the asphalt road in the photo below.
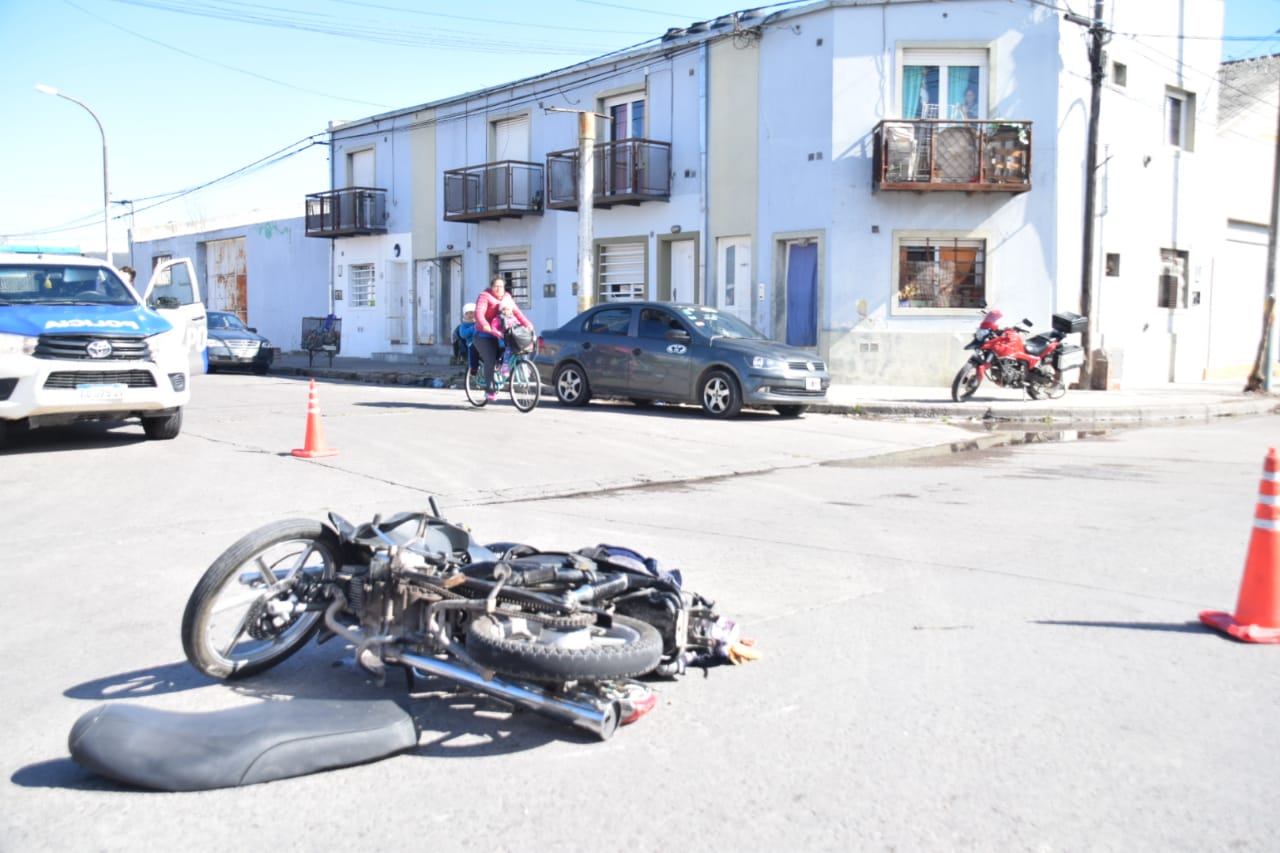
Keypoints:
(964, 648)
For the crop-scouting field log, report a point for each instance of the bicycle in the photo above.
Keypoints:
(520, 379)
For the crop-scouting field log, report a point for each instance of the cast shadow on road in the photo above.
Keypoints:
(1189, 627)
(451, 722)
(89, 435)
(669, 412)
(417, 407)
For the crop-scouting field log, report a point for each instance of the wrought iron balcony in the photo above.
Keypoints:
(965, 156)
(630, 171)
(492, 191)
(347, 212)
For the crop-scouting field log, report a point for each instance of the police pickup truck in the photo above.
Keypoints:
(79, 343)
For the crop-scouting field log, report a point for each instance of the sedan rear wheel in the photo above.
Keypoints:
(572, 388)
(719, 395)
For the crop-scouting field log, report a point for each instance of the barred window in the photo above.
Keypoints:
(941, 272)
(621, 272)
(360, 286)
(1172, 287)
(514, 268)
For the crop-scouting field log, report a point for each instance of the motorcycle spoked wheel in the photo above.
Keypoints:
(1047, 392)
(965, 383)
(229, 629)
(526, 648)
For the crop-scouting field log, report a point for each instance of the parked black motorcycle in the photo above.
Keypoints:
(563, 633)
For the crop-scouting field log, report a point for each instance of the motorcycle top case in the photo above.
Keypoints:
(1067, 322)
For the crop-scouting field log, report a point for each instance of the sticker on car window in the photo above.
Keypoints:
(677, 349)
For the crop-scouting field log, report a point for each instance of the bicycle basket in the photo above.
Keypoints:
(520, 339)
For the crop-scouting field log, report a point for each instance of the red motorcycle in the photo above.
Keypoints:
(1011, 360)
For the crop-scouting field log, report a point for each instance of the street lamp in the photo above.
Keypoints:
(106, 187)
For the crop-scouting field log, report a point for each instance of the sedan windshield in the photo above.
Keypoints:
(717, 324)
(222, 320)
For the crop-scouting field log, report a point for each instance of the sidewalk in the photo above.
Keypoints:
(1183, 401)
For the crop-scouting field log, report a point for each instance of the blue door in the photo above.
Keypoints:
(802, 294)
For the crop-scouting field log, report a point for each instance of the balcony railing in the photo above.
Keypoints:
(964, 156)
(492, 191)
(347, 212)
(630, 171)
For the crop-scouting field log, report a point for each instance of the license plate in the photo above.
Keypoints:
(812, 383)
(101, 392)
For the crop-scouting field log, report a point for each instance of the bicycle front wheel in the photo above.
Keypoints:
(474, 386)
(526, 385)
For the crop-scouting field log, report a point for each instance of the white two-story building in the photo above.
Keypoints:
(850, 176)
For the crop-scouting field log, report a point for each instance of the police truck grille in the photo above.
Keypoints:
(75, 378)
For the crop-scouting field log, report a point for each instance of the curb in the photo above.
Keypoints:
(989, 413)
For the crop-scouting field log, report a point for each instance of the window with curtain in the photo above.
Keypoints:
(942, 83)
(940, 271)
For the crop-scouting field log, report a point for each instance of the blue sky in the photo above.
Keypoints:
(189, 91)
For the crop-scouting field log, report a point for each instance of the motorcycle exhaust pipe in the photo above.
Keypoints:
(600, 718)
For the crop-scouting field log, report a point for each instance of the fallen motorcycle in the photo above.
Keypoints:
(1011, 360)
(563, 633)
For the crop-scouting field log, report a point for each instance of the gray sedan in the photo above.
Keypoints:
(233, 344)
(657, 351)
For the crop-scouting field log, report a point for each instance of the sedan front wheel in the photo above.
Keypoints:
(719, 395)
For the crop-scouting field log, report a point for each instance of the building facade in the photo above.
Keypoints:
(260, 267)
(855, 177)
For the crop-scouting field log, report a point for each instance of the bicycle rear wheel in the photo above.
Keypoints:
(526, 385)
(474, 385)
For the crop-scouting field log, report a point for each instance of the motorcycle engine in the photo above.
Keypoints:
(1009, 371)
(1040, 376)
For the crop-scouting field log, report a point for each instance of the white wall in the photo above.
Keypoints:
(287, 272)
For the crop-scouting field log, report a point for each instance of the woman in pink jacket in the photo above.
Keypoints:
(488, 339)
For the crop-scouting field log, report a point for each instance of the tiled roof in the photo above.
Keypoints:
(1247, 85)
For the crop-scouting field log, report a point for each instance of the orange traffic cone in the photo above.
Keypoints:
(314, 445)
(1257, 616)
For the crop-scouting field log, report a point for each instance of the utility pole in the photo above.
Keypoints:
(106, 181)
(1098, 36)
(1260, 376)
(586, 199)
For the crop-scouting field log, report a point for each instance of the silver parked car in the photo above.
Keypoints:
(658, 351)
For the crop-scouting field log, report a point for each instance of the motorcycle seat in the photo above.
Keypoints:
(1037, 344)
(178, 751)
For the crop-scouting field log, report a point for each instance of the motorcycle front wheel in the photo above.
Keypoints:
(528, 648)
(246, 613)
(966, 382)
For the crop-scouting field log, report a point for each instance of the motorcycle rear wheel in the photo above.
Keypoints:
(229, 629)
(526, 648)
(966, 382)
(1047, 392)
